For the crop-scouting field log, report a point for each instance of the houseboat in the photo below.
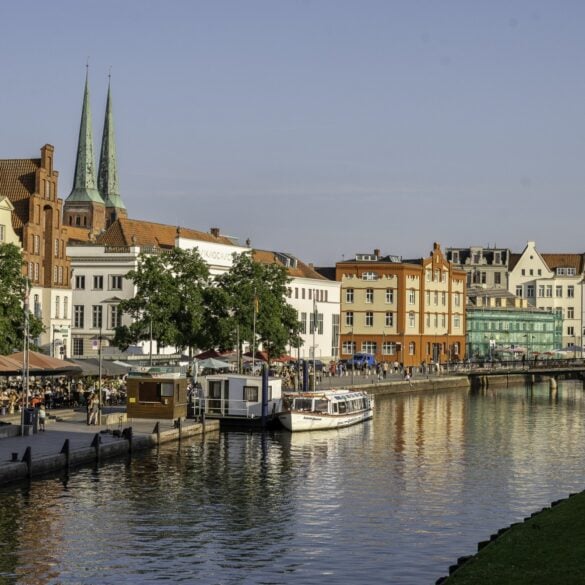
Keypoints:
(329, 409)
(236, 400)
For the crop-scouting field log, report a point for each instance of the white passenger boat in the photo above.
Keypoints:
(327, 409)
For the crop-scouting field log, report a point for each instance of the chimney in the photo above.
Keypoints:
(377, 253)
(214, 232)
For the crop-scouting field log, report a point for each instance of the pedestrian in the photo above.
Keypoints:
(385, 369)
(93, 410)
(42, 417)
(407, 377)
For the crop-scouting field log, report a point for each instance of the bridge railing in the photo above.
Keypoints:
(532, 363)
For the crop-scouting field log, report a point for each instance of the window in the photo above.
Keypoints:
(60, 269)
(389, 295)
(78, 346)
(411, 319)
(519, 290)
(296, 292)
(389, 319)
(369, 295)
(37, 271)
(570, 312)
(98, 282)
(412, 348)
(541, 290)
(115, 317)
(523, 272)
(558, 290)
(369, 276)
(369, 319)
(319, 323)
(456, 321)
(303, 293)
(436, 299)
(497, 259)
(57, 307)
(311, 294)
(497, 277)
(55, 275)
(116, 282)
(443, 298)
(56, 248)
(2, 232)
(388, 348)
(571, 292)
(530, 291)
(65, 307)
(349, 318)
(411, 296)
(369, 347)
(457, 299)
(443, 322)
(251, 393)
(428, 320)
(570, 330)
(349, 295)
(80, 282)
(428, 275)
(78, 316)
(96, 316)
(549, 290)
(348, 347)
(303, 322)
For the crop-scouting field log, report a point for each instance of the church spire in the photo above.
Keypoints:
(108, 185)
(84, 187)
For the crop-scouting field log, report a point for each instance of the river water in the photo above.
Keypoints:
(395, 500)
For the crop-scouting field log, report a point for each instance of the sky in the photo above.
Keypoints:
(321, 128)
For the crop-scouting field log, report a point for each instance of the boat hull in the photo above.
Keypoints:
(309, 421)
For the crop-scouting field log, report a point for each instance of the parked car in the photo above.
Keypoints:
(361, 360)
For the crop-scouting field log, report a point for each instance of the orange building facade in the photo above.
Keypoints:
(406, 311)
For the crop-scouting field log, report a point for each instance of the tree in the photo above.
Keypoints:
(13, 286)
(256, 292)
(168, 303)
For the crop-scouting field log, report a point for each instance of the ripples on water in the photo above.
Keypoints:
(393, 501)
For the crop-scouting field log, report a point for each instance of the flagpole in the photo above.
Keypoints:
(315, 316)
(254, 333)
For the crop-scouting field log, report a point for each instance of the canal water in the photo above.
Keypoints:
(395, 500)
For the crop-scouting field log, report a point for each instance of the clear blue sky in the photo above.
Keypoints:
(318, 127)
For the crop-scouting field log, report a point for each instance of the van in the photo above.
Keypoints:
(361, 360)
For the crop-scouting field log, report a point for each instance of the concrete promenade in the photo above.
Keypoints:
(68, 442)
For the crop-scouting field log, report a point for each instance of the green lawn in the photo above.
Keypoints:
(548, 549)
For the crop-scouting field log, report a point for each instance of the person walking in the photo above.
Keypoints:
(42, 417)
(93, 410)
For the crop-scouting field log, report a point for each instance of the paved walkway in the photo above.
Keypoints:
(70, 425)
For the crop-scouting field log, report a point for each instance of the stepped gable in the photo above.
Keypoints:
(128, 232)
(17, 182)
(300, 269)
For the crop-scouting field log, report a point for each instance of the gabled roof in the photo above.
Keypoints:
(299, 270)
(18, 182)
(129, 232)
(554, 261)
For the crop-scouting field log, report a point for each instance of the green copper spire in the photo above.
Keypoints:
(84, 188)
(108, 185)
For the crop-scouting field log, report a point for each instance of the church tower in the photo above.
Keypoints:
(84, 207)
(108, 184)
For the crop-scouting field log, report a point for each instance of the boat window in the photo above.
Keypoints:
(251, 393)
(303, 404)
(335, 407)
(342, 407)
(321, 405)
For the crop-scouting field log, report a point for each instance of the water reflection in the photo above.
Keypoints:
(396, 499)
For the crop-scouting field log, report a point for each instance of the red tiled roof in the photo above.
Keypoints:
(126, 232)
(301, 270)
(17, 182)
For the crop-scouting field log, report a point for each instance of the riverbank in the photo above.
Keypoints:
(546, 548)
(69, 442)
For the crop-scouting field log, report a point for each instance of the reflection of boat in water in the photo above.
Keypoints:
(328, 409)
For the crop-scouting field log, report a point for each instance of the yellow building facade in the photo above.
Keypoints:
(406, 311)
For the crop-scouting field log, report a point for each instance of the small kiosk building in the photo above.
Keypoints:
(157, 393)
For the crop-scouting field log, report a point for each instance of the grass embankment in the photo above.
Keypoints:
(547, 549)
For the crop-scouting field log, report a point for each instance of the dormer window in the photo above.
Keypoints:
(369, 276)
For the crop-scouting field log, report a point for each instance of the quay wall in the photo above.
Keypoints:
(21, 470)
(415, 385)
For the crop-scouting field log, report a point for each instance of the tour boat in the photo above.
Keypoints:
(327, 409)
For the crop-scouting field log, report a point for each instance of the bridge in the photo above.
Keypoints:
(532, 371)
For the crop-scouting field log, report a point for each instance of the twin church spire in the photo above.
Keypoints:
(95, 205)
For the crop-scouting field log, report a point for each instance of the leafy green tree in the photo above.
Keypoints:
(168, 302)
(257, 292)
(13, 286)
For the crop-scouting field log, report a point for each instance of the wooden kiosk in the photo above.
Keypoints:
(156, 392)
